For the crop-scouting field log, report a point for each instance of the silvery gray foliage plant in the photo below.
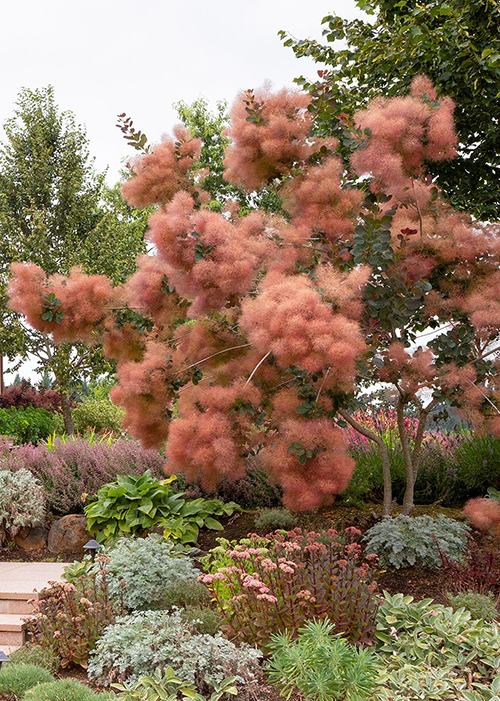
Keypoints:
(22, 502)
(150, 568)
(405, 540)
(146, 641)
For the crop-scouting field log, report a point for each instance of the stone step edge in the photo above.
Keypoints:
(12, 622)
(18, 595)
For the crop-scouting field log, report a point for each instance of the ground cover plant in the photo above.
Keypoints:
(16, 679)
(405, 540)
(285, 316)
(136, 505)
(264, 585)
(431, 651)
(168, 687)
(145, 641)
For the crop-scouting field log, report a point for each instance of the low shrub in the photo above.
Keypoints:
(478, 571)
(136, 505)
(274, 519)
(22, 502)
(202, 618)
(322, 665)
(97, 414)
(27, 424)
(264, 585)
(16, 679)
(403, 541)
(478, 464)
(168, 687)
(485, 513)
(71, 616)
(25, 394)
(253, 490)
(145, 641)
(429, 651)
(77, 467)
(148, 572)
(479, 605)
(63, 690)
(36, 655)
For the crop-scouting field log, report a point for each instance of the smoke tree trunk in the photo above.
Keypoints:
(66, 412)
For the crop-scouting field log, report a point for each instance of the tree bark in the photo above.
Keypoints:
(66, 412)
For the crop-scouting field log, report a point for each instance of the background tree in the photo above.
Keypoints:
(257, 333)
(457, 44)
(56, 212)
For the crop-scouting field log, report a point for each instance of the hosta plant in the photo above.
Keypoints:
(136, 505)
(322, 665)
(403, 541)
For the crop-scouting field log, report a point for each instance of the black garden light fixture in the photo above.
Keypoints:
(92, 546)
(3, 658)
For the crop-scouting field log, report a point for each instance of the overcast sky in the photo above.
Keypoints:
(104, 57)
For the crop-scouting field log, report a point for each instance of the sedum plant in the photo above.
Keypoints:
(143, 642)
(322, 665)
(22, 502)
(264, 585)
(136, 505)
(405, 541)
(168, 687)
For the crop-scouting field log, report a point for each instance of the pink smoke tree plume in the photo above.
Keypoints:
(256, 332)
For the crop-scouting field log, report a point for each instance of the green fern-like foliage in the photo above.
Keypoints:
(322, 665)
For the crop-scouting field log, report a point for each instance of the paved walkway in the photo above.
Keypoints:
(26, 577)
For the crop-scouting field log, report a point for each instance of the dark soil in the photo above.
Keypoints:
(12, 553)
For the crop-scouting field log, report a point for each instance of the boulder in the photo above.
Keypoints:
(31, 538)
(68, 534)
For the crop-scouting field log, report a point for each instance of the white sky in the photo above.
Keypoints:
(104, 57)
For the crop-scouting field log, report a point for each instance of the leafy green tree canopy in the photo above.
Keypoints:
(57, 212)
(457, 44)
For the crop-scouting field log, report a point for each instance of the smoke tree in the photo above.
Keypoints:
(256, 333)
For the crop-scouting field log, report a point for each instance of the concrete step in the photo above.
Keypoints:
(15, 602)
(19, 583)
(12, 629)
(9, 649)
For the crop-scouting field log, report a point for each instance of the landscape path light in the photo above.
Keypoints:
(3, 658)
(92, 546)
